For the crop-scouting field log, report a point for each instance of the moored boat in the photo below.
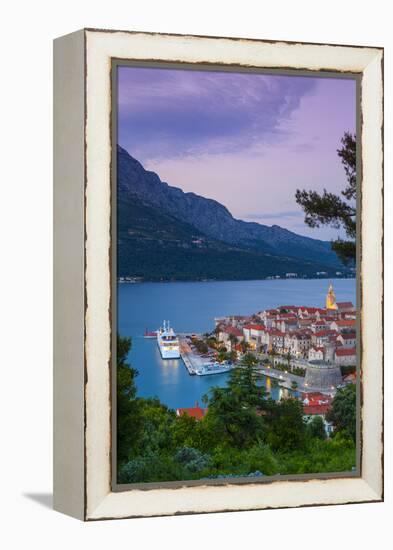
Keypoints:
(213, 368)
(168, 342)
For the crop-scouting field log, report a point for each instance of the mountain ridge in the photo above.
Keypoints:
(213, 218)
(166, 234)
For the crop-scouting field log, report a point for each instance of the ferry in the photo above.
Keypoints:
(168, 342)
(213, 368)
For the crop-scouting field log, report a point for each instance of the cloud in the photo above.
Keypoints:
(167, 112)
(275, 215)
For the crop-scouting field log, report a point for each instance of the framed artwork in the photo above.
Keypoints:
(218, 274)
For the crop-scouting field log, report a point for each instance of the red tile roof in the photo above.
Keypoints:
(312, 309)
(345, 304)
(346, 323)
(194, 412)
(233, 330)
(325, 333)
(275, 332)
(316, 396)
(345, 352)
(315, 409)
(254, 327)
(348, 336)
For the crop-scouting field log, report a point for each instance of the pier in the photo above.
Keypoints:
(190, 359)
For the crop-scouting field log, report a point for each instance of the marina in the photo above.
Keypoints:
(174, 381)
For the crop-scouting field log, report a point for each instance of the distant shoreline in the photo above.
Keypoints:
(282, 279)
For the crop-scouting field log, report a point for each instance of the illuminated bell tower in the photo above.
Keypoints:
(331, 298)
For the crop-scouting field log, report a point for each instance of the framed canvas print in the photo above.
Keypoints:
(218, 274)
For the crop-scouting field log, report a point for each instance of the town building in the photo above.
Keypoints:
(343, 325)
(345, 356)
(253, 335)
(316, 334)
(347, 339)
(317, 404)
(345, 307)
(316, 354)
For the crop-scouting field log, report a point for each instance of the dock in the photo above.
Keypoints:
(190, 359)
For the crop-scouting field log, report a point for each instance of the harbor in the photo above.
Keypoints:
(194, 362)
(299, 348)
(145, 305)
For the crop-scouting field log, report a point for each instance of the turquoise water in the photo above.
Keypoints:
(191, 307)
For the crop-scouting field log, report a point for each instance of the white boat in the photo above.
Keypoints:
(168, 342)
(213, 368)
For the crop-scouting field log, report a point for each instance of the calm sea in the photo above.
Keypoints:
(191, 307)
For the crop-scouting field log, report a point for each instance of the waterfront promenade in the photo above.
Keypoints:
(285, 379)
(190, 359)
(193, 360)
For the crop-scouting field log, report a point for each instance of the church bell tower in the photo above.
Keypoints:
(331, 298)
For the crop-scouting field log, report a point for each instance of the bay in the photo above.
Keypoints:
(192, 307)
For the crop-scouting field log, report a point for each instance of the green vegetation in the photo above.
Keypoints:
(200, 345)
(244, 432)
(343, 411)
(315, 428)
(333, 210)
(299, 371)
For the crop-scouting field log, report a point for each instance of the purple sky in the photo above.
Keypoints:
(246, 140)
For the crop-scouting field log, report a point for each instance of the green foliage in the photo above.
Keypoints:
(330, 209)
(343, 411)
(233, 411)
(233, 421)
(243, 433)
(212, 342)
(128, 418)
(246, 381)
(221, 356)
(200, 345)
(192, 459)
(287, 429)
(157, 425)
(332, 455)
(228, 461)
(316, 428)
(298, 371)
(151, 467)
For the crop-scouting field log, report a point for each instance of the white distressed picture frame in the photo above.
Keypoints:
(82, 240)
